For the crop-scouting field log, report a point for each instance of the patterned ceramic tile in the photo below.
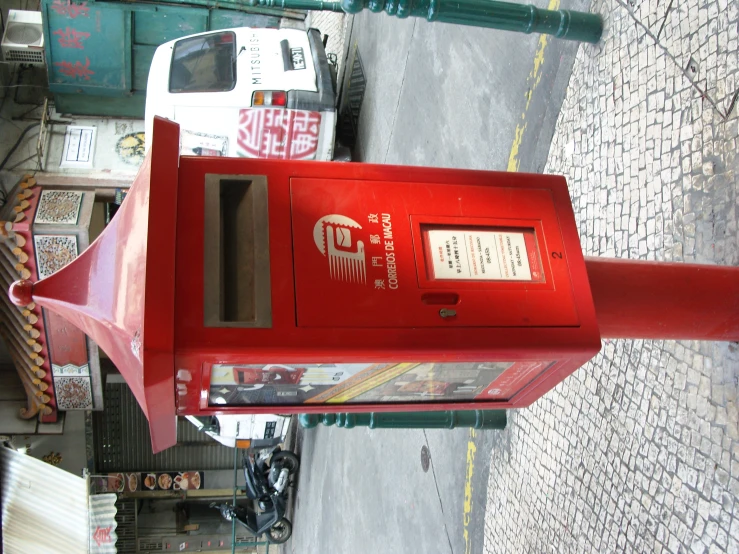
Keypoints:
(73, 393)
(70, 369)
(60, 207)
(53, 252)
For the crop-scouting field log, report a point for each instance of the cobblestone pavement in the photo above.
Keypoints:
(638, 451)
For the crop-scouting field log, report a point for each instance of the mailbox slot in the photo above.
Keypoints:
(236, 273)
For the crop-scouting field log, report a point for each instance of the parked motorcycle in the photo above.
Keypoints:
(268, 473)
(267, 476)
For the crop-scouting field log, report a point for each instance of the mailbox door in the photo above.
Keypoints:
(396, 254)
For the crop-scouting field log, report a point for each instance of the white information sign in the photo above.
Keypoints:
(482, 255)
(79, 147)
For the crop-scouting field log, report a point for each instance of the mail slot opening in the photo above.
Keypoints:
(236, 269)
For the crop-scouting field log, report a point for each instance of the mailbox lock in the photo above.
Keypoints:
(445, 313)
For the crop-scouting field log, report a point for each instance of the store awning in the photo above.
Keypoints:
(46, 509)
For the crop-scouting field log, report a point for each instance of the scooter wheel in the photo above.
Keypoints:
(280, 532)
(288, 460)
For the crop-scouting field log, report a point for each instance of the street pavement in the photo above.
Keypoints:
(447, 96)
(638, 451)
(363, 490)
(453, 96)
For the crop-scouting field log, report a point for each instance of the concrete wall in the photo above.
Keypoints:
(71, 444)
(12, 400)
(223, 478)
(119, 143)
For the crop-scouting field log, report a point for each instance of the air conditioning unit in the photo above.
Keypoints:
(23, 41)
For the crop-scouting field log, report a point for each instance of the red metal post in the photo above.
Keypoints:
(657, 300)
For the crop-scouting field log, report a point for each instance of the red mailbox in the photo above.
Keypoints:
(235, 285)
(315, 286)
(230, 285)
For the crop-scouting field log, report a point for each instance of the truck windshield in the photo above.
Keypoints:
(204, 63)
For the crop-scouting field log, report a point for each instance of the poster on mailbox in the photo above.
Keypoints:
(240, 385)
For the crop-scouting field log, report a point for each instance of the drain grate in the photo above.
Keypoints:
(691, 70)
(351, 103)
(425, 458)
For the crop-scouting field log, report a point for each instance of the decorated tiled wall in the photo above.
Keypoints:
(54, 252)
(73, 393)
(59, 207)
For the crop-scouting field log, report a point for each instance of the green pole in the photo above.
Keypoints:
(477, 419)
(236, 486)
(314, 5)
(520, 18)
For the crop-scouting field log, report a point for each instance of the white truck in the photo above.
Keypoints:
(245, 92)
(244, 431)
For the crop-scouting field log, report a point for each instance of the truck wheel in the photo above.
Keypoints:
(280, 532)
(342, 153)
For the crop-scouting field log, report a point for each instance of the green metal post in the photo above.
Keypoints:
(521, 18)
(236, 480)
(477, 419)
(314, 5)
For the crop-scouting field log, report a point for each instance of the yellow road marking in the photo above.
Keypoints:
(513, 164)
(374, 381)
(532, 82)
(471, 451)
(348, 384)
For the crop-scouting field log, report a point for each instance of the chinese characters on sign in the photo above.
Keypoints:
(483, 255)
(71, 38)
(75, 70)
(385, 251)
(69, 9)
(102, 536)
(79, 147)
(278, 133)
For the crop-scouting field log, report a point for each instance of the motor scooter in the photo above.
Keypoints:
(272, 522)
(267, 475)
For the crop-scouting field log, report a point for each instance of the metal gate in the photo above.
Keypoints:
(122, 441)
(125, 517)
